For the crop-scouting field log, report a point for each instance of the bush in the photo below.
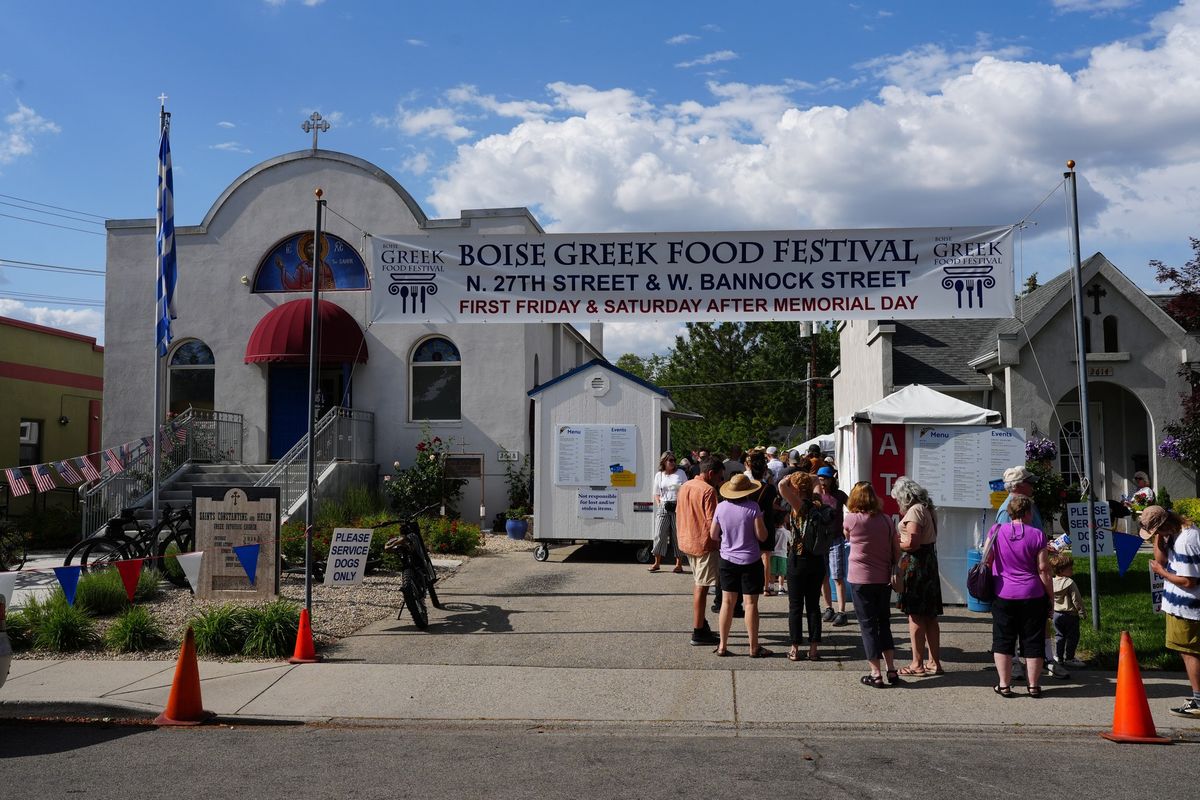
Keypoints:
(362, 501)
(443, 535)
(136, 629)
(1188, 507)
(222, 631)
(424, 485)
(66, 628)
(170, 568)
(51, 527)
(101, 593)
(272, 633)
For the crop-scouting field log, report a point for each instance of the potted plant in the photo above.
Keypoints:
(516, 526)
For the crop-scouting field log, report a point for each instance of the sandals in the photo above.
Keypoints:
(794, 654)
(875, 681)
(653, 569)
(938, 670)
(1006, 691)
(678, 570)
(815, 657)
(722, 653)
(893, 677)
(1035, 691)
(762, 652)
(915, 672)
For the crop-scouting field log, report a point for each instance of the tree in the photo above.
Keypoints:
(1184, 307)
(1031, 284)
(647, 368)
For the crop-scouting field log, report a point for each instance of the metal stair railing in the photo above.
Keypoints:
(343, 434)
(196, 435)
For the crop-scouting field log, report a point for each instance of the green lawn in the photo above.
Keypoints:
(1124, 606)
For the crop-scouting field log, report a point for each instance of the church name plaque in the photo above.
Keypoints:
(232, 516)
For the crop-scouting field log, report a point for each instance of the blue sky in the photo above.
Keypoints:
(611, 116)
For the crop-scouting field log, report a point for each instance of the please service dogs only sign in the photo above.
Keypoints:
(348, 552)
(1077, 527)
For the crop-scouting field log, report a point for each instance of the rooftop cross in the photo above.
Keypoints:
(1096, 292)
(316, 124)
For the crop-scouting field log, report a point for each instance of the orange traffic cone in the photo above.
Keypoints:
(183, 704)
(305, 652)
(1132, 722)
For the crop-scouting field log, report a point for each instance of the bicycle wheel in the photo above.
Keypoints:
(12, 552)
(100, 554)
(415, 599)
(76, 552)
(433, 598)
(166, 563)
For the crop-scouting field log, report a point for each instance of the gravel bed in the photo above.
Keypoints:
(337, 611)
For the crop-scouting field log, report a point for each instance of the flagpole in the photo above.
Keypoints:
(164, 125)
(1081, 358)
(313, 374)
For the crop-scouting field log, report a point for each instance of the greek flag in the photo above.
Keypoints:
(167, 267)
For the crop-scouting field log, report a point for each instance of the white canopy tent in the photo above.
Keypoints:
(919, 407)
(825, 441)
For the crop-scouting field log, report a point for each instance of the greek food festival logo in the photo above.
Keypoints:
(968, 268)
(413, 274)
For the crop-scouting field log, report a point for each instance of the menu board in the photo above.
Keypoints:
(595, 455)
(955, 463)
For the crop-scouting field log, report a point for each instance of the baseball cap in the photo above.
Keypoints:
(1019, 475)
(772, 450)
(1151, 519)
(825, 472)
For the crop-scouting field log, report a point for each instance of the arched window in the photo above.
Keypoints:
(1110, 335)
(1087, 335)
(436, 381)
(191, 377)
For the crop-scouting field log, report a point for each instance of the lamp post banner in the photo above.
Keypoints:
(909, 273)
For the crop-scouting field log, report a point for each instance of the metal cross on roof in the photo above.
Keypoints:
(316, 124)
(1096, 292)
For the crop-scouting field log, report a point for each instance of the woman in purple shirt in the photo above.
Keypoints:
(874, 549)
(738, 526)
(1024, 591)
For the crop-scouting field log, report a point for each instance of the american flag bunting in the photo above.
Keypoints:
(68, 473)
(88, 468)
(16, 484)
(41, 477)
(113, 461)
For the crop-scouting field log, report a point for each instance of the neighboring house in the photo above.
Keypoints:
(241, 342)
(1026, 368)
(51, 385)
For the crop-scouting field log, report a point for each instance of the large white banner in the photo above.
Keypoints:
(910, 273)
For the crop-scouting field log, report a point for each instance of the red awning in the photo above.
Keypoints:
(282, 335)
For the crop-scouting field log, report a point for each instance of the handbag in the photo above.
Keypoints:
(899, 571)
(980, 583)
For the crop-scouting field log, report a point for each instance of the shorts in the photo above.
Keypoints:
(837, 560)
(1183, 635)
(744, 578)
(779, 565)
(704, 568)
(1019, 621)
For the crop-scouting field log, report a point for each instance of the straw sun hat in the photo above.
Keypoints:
(739, 486)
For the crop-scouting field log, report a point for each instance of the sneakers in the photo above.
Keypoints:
(1057, 670)
(1074, 663)
(1190, 709)
(839, 620)
(704, 636)
(827, 616)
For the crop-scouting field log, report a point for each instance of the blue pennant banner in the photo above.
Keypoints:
(248, 555)
(1127, 547)
(68, 578)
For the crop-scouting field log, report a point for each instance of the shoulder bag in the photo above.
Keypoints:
(980, 583)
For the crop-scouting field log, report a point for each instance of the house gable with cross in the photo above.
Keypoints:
(1026, 368)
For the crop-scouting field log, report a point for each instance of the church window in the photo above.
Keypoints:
(1070, 451)
(191, 377)
(436, 381)
(1110, 335)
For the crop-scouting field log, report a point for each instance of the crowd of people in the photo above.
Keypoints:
(756, 524)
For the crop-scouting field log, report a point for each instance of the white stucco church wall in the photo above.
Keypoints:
(268, 203)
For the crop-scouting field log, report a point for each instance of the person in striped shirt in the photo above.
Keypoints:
(1177, 560)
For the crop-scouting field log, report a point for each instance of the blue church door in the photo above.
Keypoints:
(287, 408)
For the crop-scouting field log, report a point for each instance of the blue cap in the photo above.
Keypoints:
(825, 472)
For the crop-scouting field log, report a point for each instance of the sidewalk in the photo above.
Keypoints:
(582, 639)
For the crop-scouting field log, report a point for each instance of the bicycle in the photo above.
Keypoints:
(417, 571)
(14, 545)
(124, 537)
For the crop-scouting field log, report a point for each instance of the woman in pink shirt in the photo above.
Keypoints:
(874, 549)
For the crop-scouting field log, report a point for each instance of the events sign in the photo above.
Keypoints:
(236, 516)
(1077, 527)
(445, 275)
(955, 463)
(595, 455)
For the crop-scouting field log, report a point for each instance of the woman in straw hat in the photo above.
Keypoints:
(738, 526)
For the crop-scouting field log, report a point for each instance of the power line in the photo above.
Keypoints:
(52, 225)
(51, 213)
(56, 208)
(34, 265)
(51, 299)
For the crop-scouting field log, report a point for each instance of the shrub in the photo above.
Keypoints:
(101, 593)
(362, 501)
(222, 630)
(149, 586)
(22, 626)
(1188, 507)
(170, 569)
(136, 629)
(66, 628)
(272, 632)
(51, 527)
(424, 485)
(443, 535)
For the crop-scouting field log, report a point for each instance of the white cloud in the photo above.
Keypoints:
(417, 42)
(1091, 5)
(683, 38)
(710, 58)
(230, 147)
(640, 338)
(929, 66)
(84, 321)
(520, 109)
(983, 148)
(417, 163)
(224, 124)
(21, 127)
(443, 122)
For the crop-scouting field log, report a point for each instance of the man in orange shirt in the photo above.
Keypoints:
(695, 505)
